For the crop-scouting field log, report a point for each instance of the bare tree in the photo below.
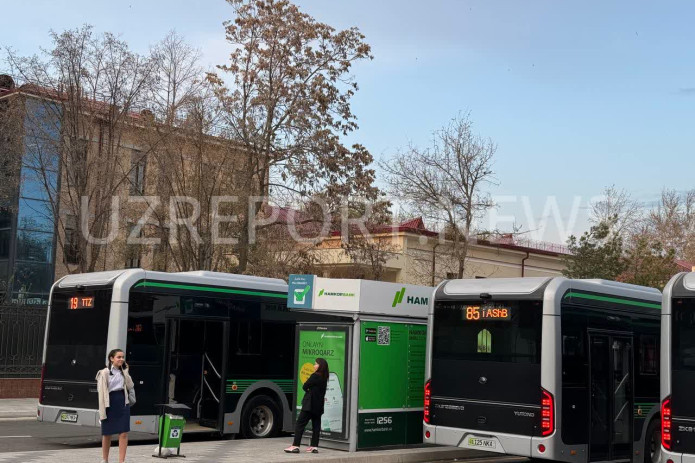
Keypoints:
(81, 97)
(672, 223)
(371, 244)
(445, 182)
(193, 184)
(11, 118)
(288, 105)
(619, 209)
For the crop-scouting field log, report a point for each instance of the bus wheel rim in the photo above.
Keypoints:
(655, 447)
(261, 421)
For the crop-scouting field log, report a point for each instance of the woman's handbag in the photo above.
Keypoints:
(131, 396)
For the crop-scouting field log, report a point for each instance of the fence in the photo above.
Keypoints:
(21, 340)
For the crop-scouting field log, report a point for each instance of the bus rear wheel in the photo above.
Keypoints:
(260, 418)
(652, 442)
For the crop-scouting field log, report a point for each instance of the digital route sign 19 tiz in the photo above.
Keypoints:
(489, 311)
(81, 302)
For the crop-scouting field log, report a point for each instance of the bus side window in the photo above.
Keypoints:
(249, 337)
(648, 364)
(574, 368)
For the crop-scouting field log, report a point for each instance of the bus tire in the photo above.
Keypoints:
(260, 418)
(652, 442)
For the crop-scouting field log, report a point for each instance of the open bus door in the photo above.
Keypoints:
(611, 397)
(196, 361)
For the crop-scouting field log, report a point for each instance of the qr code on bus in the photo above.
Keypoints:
(384, 336)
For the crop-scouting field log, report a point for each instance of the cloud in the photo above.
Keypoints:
(687, 91)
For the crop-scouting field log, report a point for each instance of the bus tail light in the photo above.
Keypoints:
(666, 423)
(428, 395)
(547, 413)
(43, 375)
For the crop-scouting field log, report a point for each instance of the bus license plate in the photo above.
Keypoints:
(482, 443)
(68, 417)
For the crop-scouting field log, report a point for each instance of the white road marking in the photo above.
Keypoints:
(12, 437)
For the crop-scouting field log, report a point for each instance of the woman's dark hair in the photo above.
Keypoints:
(323, 368)
(112, 354)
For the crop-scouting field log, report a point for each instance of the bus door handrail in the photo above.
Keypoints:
(211, 391)
(211, 365)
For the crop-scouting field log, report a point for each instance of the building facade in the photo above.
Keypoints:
(410, 253)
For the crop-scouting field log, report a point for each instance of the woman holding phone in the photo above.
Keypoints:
(116, 395)
(312, 407)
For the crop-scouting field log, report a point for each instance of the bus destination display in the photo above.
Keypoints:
(81, 302)
(488, 312)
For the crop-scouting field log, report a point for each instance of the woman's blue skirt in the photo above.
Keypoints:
(117, 415)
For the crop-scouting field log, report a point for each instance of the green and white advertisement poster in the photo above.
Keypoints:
(391, 384)
(329, 343)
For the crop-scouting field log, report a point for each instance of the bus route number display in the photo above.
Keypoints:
(488, 312)
(81, 302)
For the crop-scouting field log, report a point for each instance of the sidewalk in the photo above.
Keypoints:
(18, 408)
(261, 450)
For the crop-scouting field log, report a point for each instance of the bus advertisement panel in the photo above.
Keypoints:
(330, 343)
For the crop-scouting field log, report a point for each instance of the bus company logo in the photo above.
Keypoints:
(334, 293)
(398, 298)
(524, 414)
(234, 386)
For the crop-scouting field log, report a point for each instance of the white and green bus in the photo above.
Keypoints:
(219, 343)
(546, 368)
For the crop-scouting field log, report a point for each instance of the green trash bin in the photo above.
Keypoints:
(171, 433)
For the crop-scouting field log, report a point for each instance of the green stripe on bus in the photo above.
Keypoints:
(613, 299)
(642, 409)
(145, 284)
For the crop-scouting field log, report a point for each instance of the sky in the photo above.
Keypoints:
(577, 95)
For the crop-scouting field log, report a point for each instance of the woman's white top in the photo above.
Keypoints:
(116, 380)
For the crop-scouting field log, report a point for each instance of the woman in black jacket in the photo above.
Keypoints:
(312, 407)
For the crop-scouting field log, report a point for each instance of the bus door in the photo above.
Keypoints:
(197, 361)
(611, 397)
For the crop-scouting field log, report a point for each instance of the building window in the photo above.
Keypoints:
(71, 247)
(5, 237)
(132, 250)
(137, 173)
(5, 233)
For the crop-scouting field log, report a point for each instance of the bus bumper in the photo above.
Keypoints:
(475, 440)
(90, 417)
(511, 444)
(667, 456)
(66, 415)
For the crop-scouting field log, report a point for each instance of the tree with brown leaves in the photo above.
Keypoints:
(286, 94)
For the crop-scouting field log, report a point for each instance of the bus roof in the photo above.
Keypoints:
(540, 288)
(506, 286)
(195, 277)
(680, 285)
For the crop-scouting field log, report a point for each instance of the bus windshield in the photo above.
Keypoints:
(77, 332)
(683, 328)
(483, 344)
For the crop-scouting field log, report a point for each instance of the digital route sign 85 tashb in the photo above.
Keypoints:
(490, 311)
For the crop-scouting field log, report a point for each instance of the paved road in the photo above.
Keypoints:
(21, 435)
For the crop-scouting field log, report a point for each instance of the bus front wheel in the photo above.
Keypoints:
(260, 418)
(652, 442)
